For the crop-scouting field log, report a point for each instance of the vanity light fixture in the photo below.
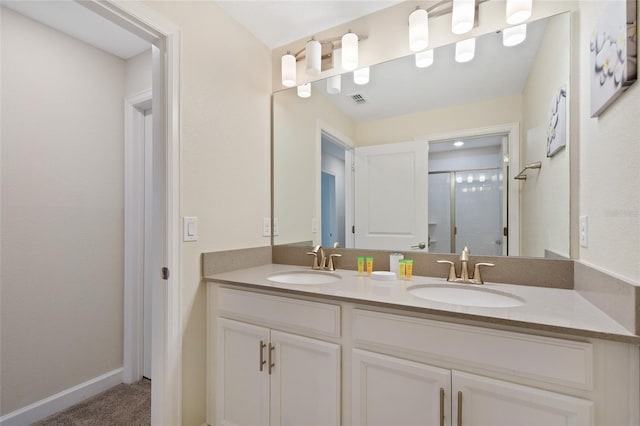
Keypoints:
(518, 11)
(465, 50)
(514, 35)
(350, 51)
(424, 59)
(288, 64)
(458, 144)
(304, 90)
(462, 16)
(418, 30)
(334, 84)
(361, 76)
(314, 57)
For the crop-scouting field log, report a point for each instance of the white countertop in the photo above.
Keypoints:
(546, 309)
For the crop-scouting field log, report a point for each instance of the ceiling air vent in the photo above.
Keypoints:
(357, 98)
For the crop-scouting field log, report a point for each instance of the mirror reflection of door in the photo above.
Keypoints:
(332, 197)
(466, 197)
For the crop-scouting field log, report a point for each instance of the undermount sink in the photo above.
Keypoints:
(466, 295)
(304, 277)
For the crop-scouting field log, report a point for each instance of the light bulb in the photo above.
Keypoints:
(465, 50)
(288, 70)
(418, 30)
(514, 35)
(304, 91)
(314, 57)
(334, 84)
(361, 76)
(462, 16)
(350, 51)
(518, 11)
(424, 59)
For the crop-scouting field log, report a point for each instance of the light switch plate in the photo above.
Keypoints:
(190, 228)
(266, 227)
(276, 226)
(584, 231)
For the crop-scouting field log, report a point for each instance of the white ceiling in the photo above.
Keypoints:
(79, 22)
(279, 22)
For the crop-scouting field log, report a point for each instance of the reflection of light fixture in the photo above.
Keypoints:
(424, 59)
(334, 84)
(288, 70)
(314, 57)
(458, 144)
(470, 179)
(458, 179)
(350, 51)
(418, 30)
(514, 35)
(518, 11)
(304, 91)
(462, 16)
(482, 178)
(465, 50)
(361, 76)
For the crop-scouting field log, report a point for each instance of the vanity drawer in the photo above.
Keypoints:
(544, 359)
(282, 313)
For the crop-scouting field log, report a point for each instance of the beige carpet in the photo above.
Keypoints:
(118, 406)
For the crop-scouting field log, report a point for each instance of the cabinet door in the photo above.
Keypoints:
(393, 391)
(305, 381)
(481, 401)
(242, 389)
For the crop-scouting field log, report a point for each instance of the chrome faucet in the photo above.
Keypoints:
(464, 276)
(320, 261)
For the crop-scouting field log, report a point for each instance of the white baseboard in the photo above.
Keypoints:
(65, 399)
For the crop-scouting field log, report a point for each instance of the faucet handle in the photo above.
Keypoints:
(452, 269)
(316, 264)
(331, 266)
(476, 272)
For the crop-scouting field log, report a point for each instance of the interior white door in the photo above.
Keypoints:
(481, 401)
(391, 195)
(242, 380)
(393, 391)
(305, 381)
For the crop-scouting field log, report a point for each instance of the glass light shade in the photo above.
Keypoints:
(418, 30)
(314, 57)
(518, 11)
(514, 35)
(465, 50)
(288, 70)
(361, 76)
(304, 91)
(350, 51)
(424, 59)
(463, 16)
(334, 84)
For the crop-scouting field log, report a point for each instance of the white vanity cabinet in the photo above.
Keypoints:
(265, 376)
(390, 390)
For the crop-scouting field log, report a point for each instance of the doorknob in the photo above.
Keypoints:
(420, 246)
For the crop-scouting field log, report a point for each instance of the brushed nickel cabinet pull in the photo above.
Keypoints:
(441, 406)
(262, 361)
(271, 364)
(459, 408)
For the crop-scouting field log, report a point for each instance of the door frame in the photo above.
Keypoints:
(512, 130)
(166, 387)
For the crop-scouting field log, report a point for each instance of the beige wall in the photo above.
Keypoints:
(138, 73)
(297, 124)
(544, 196)
(406, 127)
(609, 168)
(62, 212)
(225, 168)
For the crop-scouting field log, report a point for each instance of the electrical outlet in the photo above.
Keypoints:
(276, 226)
(266, 227)
(584, 231)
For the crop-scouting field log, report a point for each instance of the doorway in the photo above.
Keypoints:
(467, 200)
(335, 165)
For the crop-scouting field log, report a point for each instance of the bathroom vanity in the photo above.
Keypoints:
(356, 351)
